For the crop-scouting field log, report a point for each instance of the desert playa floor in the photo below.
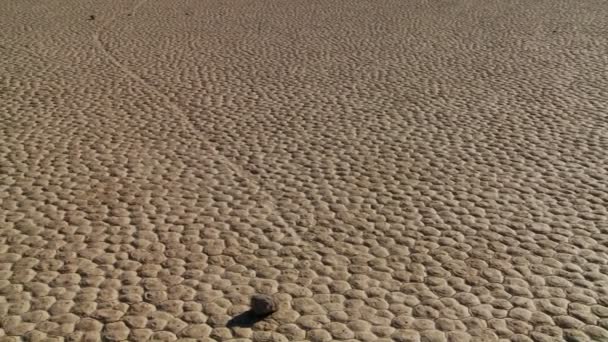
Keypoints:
(388, 170)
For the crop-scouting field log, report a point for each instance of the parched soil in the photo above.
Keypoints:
(389, 170)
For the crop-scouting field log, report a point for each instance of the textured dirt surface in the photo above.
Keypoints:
(387, 170)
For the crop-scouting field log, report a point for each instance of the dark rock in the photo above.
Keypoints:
(262, 305)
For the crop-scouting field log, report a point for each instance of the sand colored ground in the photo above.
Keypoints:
(391, 170)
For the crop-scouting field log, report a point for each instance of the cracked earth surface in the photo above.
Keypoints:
(387, 170)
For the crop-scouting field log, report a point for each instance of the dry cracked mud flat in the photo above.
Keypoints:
(388, 170)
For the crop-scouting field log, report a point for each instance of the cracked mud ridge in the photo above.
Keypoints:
(385, 170)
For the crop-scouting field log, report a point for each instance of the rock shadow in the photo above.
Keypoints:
(245, 320)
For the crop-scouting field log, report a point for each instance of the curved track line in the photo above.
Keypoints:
(188, 125)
